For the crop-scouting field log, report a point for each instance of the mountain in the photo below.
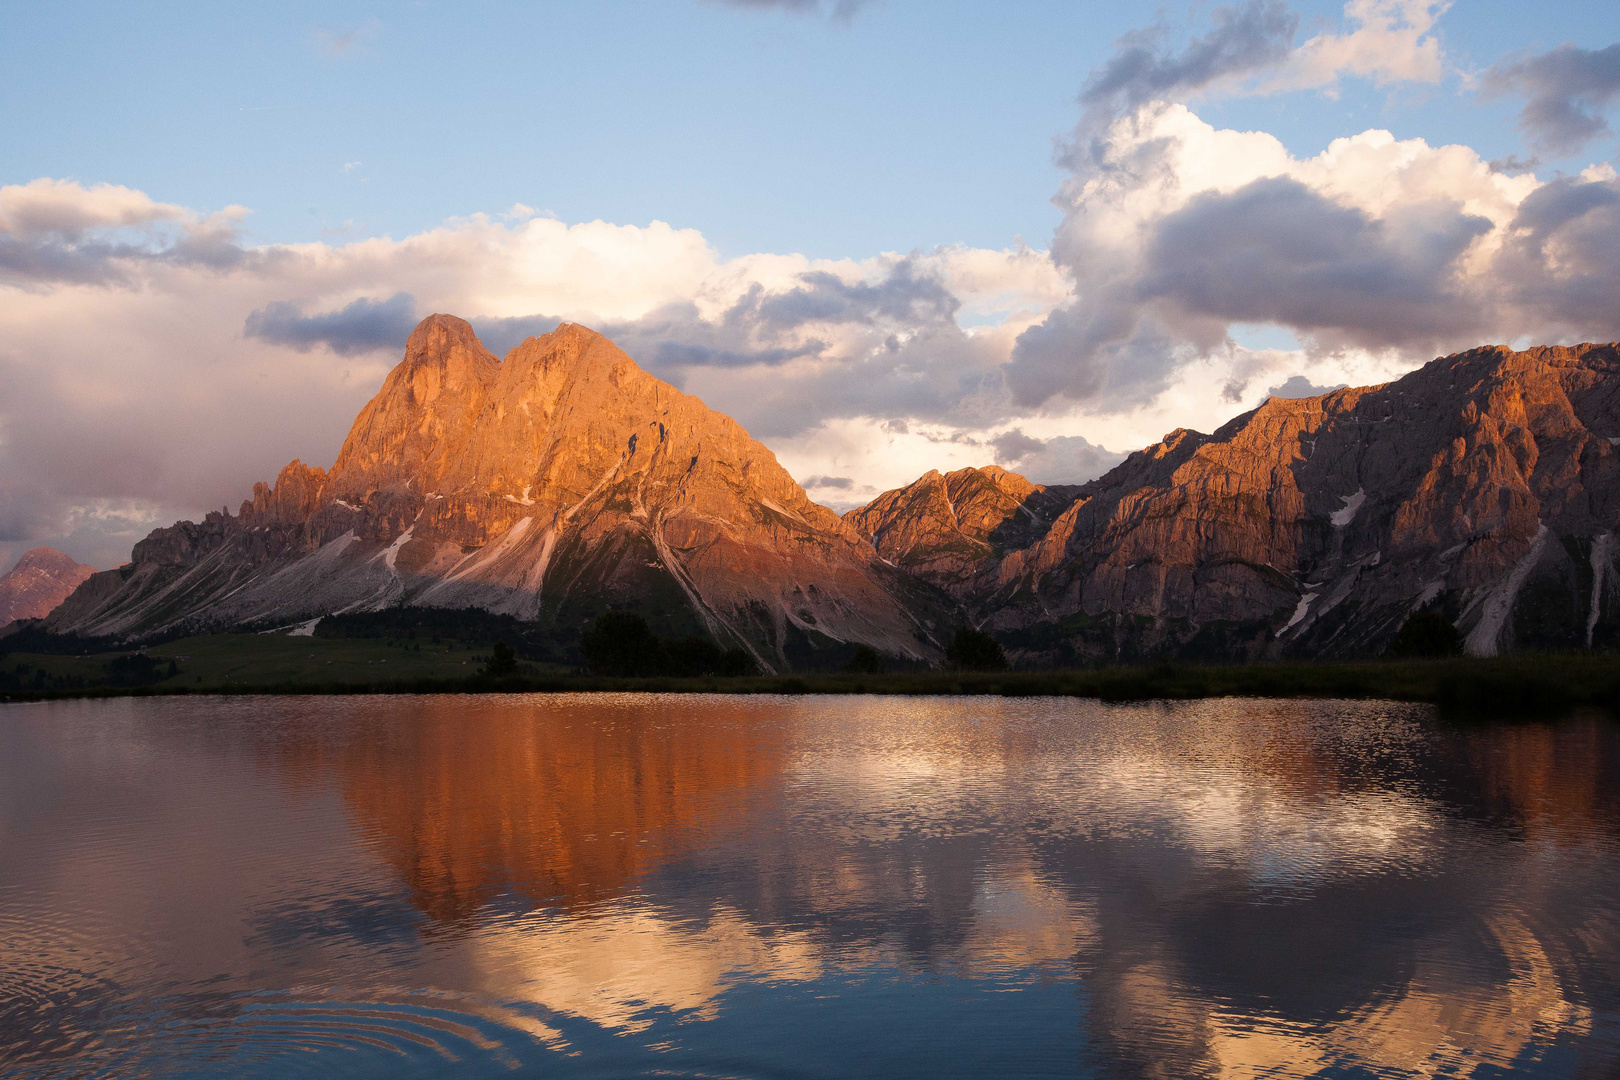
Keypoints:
(549, 485)
(1485, 485)
(944, 529)
(563, 479)
(42, 579)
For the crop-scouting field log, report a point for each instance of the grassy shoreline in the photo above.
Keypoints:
(1532, 685)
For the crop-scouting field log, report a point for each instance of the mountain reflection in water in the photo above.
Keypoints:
(621, 885)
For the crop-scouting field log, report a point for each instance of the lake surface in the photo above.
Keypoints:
(629, 885)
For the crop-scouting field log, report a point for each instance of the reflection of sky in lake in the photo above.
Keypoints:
(619, 885)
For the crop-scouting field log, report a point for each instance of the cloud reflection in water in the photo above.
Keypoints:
(1225, 888)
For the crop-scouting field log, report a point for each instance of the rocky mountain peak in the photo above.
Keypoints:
(944, 527)
(444, 340)
(42, 579)
(564, 480)
(294, 497)
(550, 485)
(45, 560)
(425, 412)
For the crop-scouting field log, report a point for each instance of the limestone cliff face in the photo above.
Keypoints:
(945, 528)
(549, 486)
(42, 579)
(1485, 485)
(564, 479)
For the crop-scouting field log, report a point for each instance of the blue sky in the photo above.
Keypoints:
(886, 237)
(909, 125)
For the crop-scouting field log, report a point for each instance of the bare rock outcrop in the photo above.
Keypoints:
(564, 479)
(549, 485)
(1485, 485)
(41, 580)
(945, 528)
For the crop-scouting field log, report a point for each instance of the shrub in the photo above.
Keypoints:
(865, 661)
(136, 669)
(975, 650)
(1427, 634)
(736, 662)
(502, 661)
(619, 643)
(689, 657)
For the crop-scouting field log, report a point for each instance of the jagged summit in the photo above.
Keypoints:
(564, 479)
(548, 485)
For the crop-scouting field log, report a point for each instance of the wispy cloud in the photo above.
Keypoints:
(835, 10)
(344, 42)
(1568, 92)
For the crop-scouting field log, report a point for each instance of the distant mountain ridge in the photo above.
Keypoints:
(564, 480)
(42, 579)
(550, 486)
(1484, 485)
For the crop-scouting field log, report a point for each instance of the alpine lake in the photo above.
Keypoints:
(618, 885)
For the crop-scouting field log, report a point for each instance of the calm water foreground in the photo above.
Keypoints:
(609, 886)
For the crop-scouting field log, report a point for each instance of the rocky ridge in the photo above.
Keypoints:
(549, 485)
(1485, 485)
(42, 579)
(945, 528)
(563, 479)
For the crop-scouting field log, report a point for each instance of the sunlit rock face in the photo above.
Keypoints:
(563, 480)
(42, 579)
(1485, 485)
(945, 528)
(549, 486)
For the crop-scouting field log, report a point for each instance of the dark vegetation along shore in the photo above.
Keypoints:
(380, 654)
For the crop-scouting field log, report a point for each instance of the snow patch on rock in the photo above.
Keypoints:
(1299, 612)
(1347, 514)
(1602, 546)
(1482, 640)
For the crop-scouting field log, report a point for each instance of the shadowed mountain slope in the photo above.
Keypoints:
(550, 486)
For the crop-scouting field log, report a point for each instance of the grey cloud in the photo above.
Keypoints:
(838, 10)
(363, 326)
(887, 348)
(63, 253)
(1066, 459)
(1551, 207)
(1567, 91)
(1277, 252)
(31, 264)
(1013, 445)
(501, 336)
(1257, 35)
(1559, 269)
(836, 483)
(1273, 252)
(1298, 386)
(1105, 350)
(903, 296)
(1513, 164)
